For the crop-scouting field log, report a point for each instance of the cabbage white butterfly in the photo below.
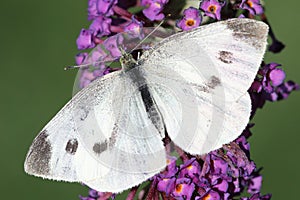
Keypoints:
(191, 87)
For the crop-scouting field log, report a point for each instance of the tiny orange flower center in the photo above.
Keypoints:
(206, 197)
(212, 8)
(179, 188)
(250, 4)
(190, 22)
(190, 167)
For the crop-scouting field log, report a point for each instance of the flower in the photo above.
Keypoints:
(271, 83)
(101, 26)
(80, 58)
(255, 185)
(285, 89)
(134, 27)
(154, 9)
(221, 175)
(87, 75)
(184, 189)
(257, 197)
(95, 195)
(85, 39)
(253, 6)
(100, 8)
(191, 19)
(212, 8)
(210, 195)
(271, 76)
(112, 44)
(166, 185)
(190, 169)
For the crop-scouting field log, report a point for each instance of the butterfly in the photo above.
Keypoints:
(190, 87)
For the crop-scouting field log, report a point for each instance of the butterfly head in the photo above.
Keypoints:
(127, 61)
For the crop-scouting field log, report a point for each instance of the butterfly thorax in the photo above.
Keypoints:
(127, 61)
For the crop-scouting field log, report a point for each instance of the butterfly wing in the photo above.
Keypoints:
(94, 140)
(200, 78)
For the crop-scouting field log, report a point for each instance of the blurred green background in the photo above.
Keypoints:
(37, 40)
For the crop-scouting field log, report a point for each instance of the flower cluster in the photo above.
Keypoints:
(269, 85)
(225, 173)
(221, 174)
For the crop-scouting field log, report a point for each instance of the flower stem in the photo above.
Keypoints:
(132, 193)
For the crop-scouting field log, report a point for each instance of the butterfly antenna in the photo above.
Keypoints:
(123, 52)
(80, 66)
(143, 40)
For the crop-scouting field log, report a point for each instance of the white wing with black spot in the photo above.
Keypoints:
(200, 79)
(102, 138)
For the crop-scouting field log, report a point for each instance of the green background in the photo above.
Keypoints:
(37, 40)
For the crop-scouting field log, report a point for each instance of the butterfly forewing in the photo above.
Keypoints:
(213, 66)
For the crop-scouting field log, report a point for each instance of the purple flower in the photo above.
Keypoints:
(99, 68)
(134, 27)
(211, 195)
(257, 197)
(253, 6)
(100, 8)
(166, 185)
(190, 168)
(212, 8)
(218, 165)
(88, 76)
(241, 16)
(171, 168)
(276, 76)
(243, 143)
(255, 185)
(97, 55)
(85, 39)
(221, 185)
(154, 9)
(100, 26)
(183, 189)
(191, 19)
(112, 44)
(80, 58)
(271, 85)
(285, 89)
(271, 76)
(94, 195)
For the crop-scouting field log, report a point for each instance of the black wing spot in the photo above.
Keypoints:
(98, 147)
(251, 32)
(225, 57)
(72, 146)
(38, 159)
(213, 82)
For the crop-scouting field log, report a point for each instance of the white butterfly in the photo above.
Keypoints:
(192, 86)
